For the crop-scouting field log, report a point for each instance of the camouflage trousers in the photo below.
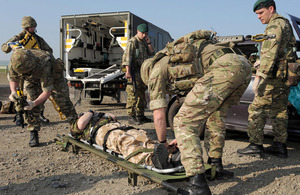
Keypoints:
(136, 100)
(221, 87)
(126, 142)
(60, 94)
(272, 104)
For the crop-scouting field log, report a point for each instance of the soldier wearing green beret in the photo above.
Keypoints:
(138, 49)
(271, 92)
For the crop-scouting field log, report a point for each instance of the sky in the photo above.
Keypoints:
(178, 17)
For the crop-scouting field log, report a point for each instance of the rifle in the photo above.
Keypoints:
(262, 37)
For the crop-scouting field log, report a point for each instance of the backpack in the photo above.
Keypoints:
(184, 63)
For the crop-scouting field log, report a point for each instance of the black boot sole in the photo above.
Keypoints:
(252, 155)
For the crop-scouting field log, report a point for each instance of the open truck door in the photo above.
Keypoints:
(92, 47)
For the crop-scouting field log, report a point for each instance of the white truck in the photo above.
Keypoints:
(92, 46)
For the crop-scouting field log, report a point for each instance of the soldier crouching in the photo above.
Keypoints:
(38, 69)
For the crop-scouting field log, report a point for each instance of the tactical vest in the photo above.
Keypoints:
(184, 64)
(29, 42)
(289, 67)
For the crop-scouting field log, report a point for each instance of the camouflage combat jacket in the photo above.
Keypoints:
(41, 74)
(42, 44)
(163, 78)
(274, 51)
(136, 52)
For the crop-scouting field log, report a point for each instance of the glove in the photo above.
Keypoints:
(256, 64)
(5, 48)
(13, 97)
(30, 106)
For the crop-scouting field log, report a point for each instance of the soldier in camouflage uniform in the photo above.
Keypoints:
(39, 69)
(137, 51)
(134, 145)
(29, 39)
(226, 75)
(271, 93)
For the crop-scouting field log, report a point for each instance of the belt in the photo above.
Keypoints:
(221, 52)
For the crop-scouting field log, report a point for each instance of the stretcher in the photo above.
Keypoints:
(172, 179)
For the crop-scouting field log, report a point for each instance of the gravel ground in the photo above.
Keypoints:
(48, 170)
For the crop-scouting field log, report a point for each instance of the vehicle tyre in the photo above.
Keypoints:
(174, 108)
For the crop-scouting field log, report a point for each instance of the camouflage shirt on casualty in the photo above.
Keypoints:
(280, 48)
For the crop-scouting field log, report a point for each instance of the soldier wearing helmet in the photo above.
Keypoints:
(29, 31)
(28, 39)
(37, 69)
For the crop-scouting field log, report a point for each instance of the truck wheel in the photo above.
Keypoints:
(173, 110)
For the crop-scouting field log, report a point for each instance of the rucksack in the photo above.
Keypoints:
(185, 65)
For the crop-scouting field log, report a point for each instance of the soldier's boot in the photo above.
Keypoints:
(219, 166)
(133, 121)
(277, 149)
(252, 150)
(143, 119)
(197, 185)
(175, 159)
(43, 119)
(160, 157)
(219, 173)
(19, 119)
(34, 139)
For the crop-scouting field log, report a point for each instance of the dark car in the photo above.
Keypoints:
(237, 116)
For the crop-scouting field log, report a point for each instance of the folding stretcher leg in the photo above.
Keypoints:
(132, 178)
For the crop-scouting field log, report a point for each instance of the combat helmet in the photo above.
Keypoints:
(22, 61)
(28, 21)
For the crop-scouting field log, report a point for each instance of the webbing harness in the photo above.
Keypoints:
(221, 52)
(108, 132)
(29, 42)
(125, 128)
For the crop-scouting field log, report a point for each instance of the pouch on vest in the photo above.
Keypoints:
(185, 76)
(185, 48)
(181, 53)
(29, 42)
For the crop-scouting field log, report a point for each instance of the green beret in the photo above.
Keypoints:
(143, 28)
(261, 4)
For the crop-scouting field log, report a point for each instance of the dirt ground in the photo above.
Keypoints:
(48, 170)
